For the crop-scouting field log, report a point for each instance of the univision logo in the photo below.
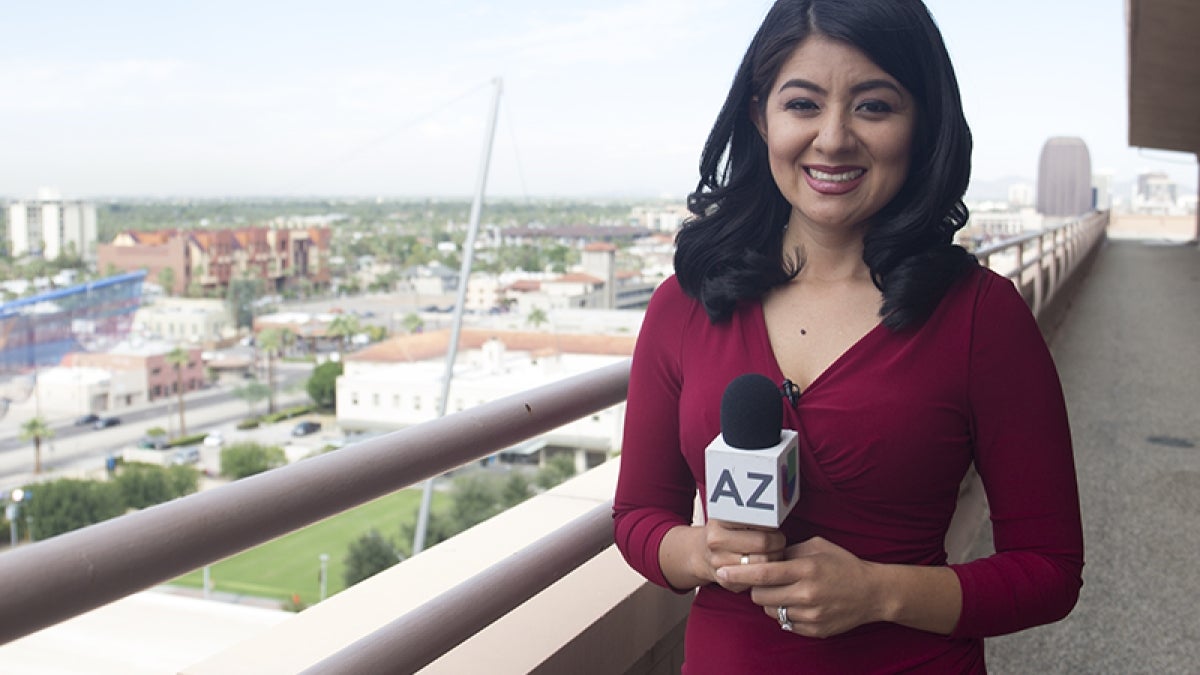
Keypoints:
(789, 475)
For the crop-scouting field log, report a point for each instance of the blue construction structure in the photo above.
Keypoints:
(40, 330)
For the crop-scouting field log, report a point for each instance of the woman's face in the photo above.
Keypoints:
(839, 134)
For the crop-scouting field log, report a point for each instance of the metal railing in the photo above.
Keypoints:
(56, 579)
(1044, 260)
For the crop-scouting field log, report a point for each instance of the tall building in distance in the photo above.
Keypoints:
(1155, 193)
(1065, 178)
(50, 226)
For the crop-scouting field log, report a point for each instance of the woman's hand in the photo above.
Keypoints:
(826, 589)
(734, 544)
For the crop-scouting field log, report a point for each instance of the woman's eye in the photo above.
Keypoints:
(875, 107)
(801, 104)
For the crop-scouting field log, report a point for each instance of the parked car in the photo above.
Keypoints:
(106, 422)
(188, 455)
(305, 428)
(214, 439)
(85, 420)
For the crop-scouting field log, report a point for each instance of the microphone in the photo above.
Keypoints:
(751, 469)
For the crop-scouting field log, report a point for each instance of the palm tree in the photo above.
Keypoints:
(179, 358)
(343, 327)
(273, 341)
(35, 429)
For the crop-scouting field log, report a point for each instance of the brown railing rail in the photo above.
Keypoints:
(53, 580)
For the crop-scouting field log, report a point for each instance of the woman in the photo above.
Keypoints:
(820, 255)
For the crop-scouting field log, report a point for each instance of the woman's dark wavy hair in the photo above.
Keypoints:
(731, 249)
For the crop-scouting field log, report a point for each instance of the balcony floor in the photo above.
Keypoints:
(1130, 365)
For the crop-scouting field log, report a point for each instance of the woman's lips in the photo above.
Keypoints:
(834, 180)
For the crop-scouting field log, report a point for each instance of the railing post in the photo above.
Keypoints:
(1039, 263)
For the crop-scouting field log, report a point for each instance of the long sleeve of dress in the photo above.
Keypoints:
(656, 490)
(1022, 450)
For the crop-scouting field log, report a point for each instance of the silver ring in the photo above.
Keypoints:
(745, 560)
(784, 622)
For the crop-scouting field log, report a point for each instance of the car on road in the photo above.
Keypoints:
(85, 420)
(305, 428)
(188, 455)
(106, 422)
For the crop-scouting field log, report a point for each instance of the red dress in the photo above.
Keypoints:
(886, 434)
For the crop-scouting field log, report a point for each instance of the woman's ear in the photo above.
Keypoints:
(757, 117)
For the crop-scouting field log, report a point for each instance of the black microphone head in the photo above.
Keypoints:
(751, 412)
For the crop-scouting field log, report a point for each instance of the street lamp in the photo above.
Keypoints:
(11, 511)
(324, 558)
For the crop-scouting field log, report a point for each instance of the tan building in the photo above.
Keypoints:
(210, 259)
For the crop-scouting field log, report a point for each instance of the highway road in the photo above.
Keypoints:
(75, 449)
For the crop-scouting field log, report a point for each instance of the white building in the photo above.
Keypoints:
(1020, 195)
(660, 218)
(194, 320)
(50, 227)
(398, 383)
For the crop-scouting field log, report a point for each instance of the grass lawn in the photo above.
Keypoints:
(290, 564)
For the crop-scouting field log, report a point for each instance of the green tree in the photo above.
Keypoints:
(166, 279)
(36, 429)
(252, 392)
(412, 323)
(516, 489)
(273, 341)
(322, 384)
(68, 504)
(144, 485)
(178, 358)
(240, 296)
(537, 317)
(555, 470)
(246, 459)
(474, 498)
(369, 555)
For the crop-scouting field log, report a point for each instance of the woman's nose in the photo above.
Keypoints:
(834, 135)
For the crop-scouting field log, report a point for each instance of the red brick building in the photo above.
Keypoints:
(209, 259)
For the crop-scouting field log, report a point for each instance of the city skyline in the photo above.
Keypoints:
(371, 99)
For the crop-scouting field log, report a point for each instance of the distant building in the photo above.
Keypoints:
(50, 227)
(660, 219)
(1155, 193)
(209, 259)
(130, 374)
(397, 383)
(1020, 195)
(201, 321)
(1065, 178)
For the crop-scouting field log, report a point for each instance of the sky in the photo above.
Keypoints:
(600, 98)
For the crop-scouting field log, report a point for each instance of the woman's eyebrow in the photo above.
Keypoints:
(867, 85)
